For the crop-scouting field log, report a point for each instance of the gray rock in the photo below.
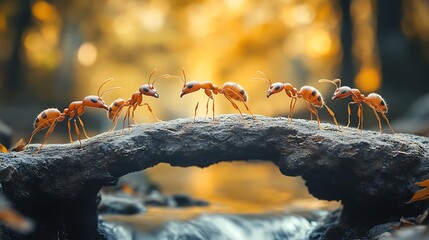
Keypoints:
(372, 174)
(117, 204)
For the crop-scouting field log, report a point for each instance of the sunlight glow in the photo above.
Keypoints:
(87, 54)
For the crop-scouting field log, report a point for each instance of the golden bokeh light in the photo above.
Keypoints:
(50, 34)
(318, 43)
(368, 79)
(39, 52)
(364, 48)
(33, 41)
(152, 19)
(87, 54)
(124, 25)
(303, 14)
(44, 11)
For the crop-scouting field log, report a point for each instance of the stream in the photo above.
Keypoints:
(246, 201)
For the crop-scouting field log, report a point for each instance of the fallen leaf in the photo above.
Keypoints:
(19, 146)
(424, 183)
(421, 194)
(3, 148)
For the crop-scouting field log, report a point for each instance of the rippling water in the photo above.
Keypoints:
(288, 225)
(247, 201)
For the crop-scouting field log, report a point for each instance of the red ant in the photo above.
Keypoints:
(373, 100)
(232, 91)
(136, 100)
(312, 97)
(51, 116)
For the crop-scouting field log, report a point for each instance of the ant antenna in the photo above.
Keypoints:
(159, 77)
(336, 82)
(184, 75)
(108, 80)
(110, 89)
(150, 76)
(267, 79)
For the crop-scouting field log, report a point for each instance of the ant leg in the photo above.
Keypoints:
(207, 108)
(236, 107)
(150, 110)
(196, 108)
(134, 109)
(247, 107)
(244, 102)
(128, 117)
(359, 113)
(313, 111)
(332, 114)
(349, 112)
(213, 108)
(293, 108)
(48, 133)
(289, 115)
(83, 127)
(125, 118)
(76, 128)
(40, 127)
(387, 120)
(378, 119)
(115, 118)
(69, 127)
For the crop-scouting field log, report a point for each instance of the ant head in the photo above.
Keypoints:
(189, 87)
(341, 92)
(97, 101)
(148, 90)
(275, 88)
(94, 101)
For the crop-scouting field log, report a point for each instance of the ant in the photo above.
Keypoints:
(312, 97)
(136, 99)
(232, 91)
(51, 116)
(373, 100)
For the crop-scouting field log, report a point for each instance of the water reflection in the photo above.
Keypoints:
(239, 187)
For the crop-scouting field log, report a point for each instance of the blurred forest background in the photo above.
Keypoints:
(55, 52)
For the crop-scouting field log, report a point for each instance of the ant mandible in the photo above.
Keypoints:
(51, 116)
(232, 91)
(312, 97)
(136, 99)
(373, 100)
